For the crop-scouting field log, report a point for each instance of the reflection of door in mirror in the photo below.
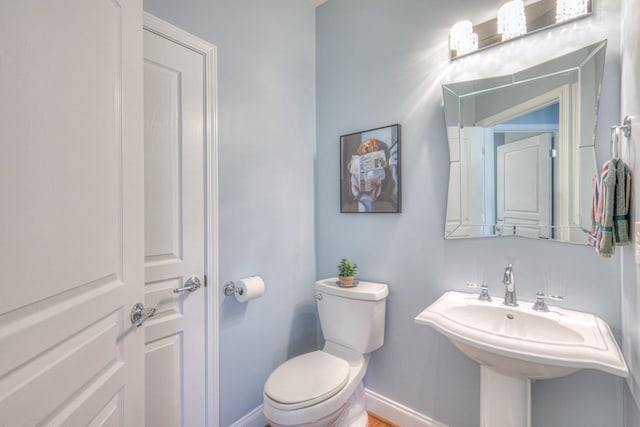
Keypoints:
(471, 212)
(524, 193)
(555, 101)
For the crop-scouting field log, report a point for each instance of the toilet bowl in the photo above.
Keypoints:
(324, 388)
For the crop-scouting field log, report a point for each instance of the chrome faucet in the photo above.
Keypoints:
(510, 287)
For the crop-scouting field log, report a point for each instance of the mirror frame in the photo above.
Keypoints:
(576, 155)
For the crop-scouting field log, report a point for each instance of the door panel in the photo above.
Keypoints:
(163, 235)
(524, 168)
(72, 242)
(175, 231)
(163, 401)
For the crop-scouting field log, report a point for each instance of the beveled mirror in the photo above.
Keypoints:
(521, 150)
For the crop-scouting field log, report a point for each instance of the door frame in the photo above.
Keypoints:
(210, 56)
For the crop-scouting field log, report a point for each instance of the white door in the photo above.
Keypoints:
(524, 186)
(71, 222)
(175, 140)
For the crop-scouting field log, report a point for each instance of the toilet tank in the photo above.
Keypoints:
(352, 317)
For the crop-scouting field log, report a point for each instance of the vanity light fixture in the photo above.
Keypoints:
(515, 19)
(512, 21)
(570, 9)
(462, 39)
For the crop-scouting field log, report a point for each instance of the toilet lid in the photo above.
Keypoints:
(309, 378)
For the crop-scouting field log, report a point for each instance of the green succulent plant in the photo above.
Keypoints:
(347, 268)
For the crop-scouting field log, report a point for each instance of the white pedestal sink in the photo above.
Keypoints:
(515, 345)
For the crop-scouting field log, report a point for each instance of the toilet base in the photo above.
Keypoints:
(352, 414)
(355, 412)
(362, 421)
(327, 421)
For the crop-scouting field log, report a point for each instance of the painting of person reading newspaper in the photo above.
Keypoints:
(370, 171)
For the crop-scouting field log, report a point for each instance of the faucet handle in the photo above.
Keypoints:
(541, 304)
(541, 294)
(484, 291)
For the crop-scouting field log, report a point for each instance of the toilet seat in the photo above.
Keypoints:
(307, 379)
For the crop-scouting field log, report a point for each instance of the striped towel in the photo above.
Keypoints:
(610, 208)
(593, 233)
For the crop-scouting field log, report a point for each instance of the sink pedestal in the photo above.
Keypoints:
(504, 400)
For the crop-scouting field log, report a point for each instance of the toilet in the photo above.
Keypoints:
(324, 388)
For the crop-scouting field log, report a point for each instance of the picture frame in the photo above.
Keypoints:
(370, 171)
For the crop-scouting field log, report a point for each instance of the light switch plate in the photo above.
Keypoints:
(636, 241)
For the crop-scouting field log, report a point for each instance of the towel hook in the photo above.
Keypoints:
(624, 129)
(615, 141)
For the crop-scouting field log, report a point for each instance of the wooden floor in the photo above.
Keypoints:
(378, 421)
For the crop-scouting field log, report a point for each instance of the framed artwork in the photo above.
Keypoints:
(370, 171)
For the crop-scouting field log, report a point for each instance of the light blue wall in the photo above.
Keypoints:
(548, 114)
(630, 105)
(632, 412)
(266, 119)
(381, 62)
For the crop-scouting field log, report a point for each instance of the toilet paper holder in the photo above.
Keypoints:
(245, 289)
(230, 289)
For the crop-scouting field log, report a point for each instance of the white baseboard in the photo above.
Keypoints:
(398, 413)
(254, 418)
(378, 404)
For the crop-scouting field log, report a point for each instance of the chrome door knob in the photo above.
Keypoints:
(139, 314)
(190, 285)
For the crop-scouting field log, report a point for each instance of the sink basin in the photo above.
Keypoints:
(515, 345)
(522, 342)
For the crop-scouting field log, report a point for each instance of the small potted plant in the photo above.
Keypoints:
(346, 273)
